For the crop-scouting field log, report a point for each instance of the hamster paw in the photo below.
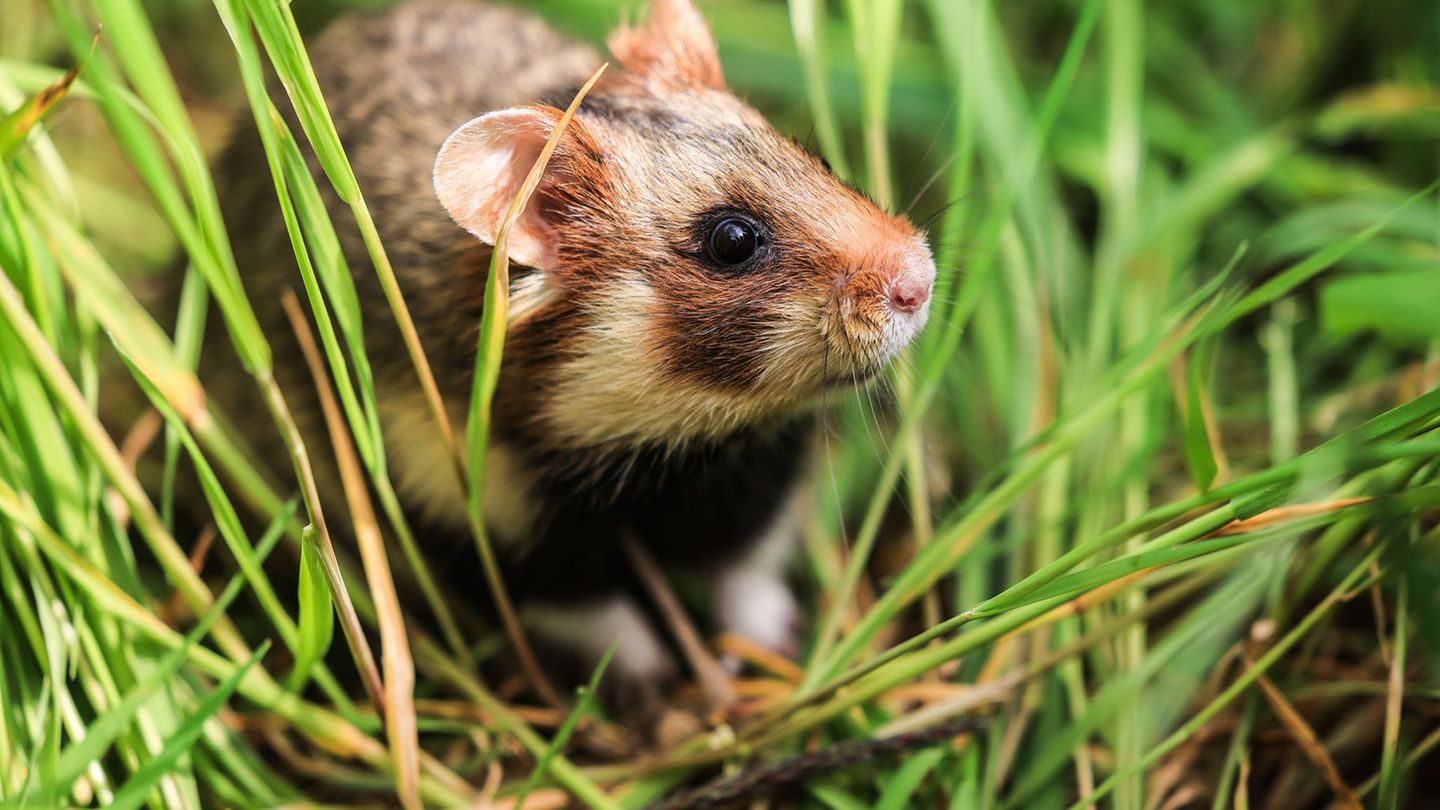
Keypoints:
(758, 605)
(640, 675)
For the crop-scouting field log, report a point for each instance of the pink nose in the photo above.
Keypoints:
(909, 293)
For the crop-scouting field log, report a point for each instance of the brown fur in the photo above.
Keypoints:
(632, 360)
(671, 51)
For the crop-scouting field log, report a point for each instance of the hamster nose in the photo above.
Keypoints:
(909, 295)
(911, 290)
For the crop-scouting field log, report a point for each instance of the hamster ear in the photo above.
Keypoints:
(482, 166)
(672, 48)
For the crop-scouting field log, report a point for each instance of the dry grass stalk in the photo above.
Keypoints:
(310, 493)
(399, 683)
(1280, 514)
(1305, 737)
(175, 606)
(140, 436)
(718, 690)
(493, 327)
(752, 653)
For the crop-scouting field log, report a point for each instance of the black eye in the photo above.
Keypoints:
(733, 240)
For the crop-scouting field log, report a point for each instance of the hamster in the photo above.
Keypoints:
(686, 285)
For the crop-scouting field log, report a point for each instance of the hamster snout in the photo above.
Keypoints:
(910, 288)
(880, 308)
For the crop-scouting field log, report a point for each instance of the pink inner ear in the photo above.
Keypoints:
(480, 169)
(532, 235)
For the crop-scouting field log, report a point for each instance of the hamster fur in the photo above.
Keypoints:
(648, 387)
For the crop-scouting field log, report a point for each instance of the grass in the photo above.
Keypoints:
(1156, 493)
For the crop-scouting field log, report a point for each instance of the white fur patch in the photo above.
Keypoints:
(529, 294)
(613, 388)
(751, 597)
(759, 606)
(590, 628)
(421, 470)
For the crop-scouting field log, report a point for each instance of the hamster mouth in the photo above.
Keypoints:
(860, 344)
(857, 359)
(851, 379)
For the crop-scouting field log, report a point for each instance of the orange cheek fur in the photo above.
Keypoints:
(771, 332)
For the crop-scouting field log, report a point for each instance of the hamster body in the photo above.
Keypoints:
(686, 283)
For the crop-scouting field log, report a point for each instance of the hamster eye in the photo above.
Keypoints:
(733, 240)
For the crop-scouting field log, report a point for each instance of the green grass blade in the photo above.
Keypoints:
(1240, 684)
(584, 703)
(487, 378)
(137, 790)
(317, 613)
(102, 733)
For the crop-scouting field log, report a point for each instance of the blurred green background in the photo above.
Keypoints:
(1155, 493)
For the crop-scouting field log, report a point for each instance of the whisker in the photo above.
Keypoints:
(861, 394)
(884, 441)
(946, 207)
(829, 451)
(934, 178)
(934, 139)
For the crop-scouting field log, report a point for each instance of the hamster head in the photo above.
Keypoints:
(723, 275)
